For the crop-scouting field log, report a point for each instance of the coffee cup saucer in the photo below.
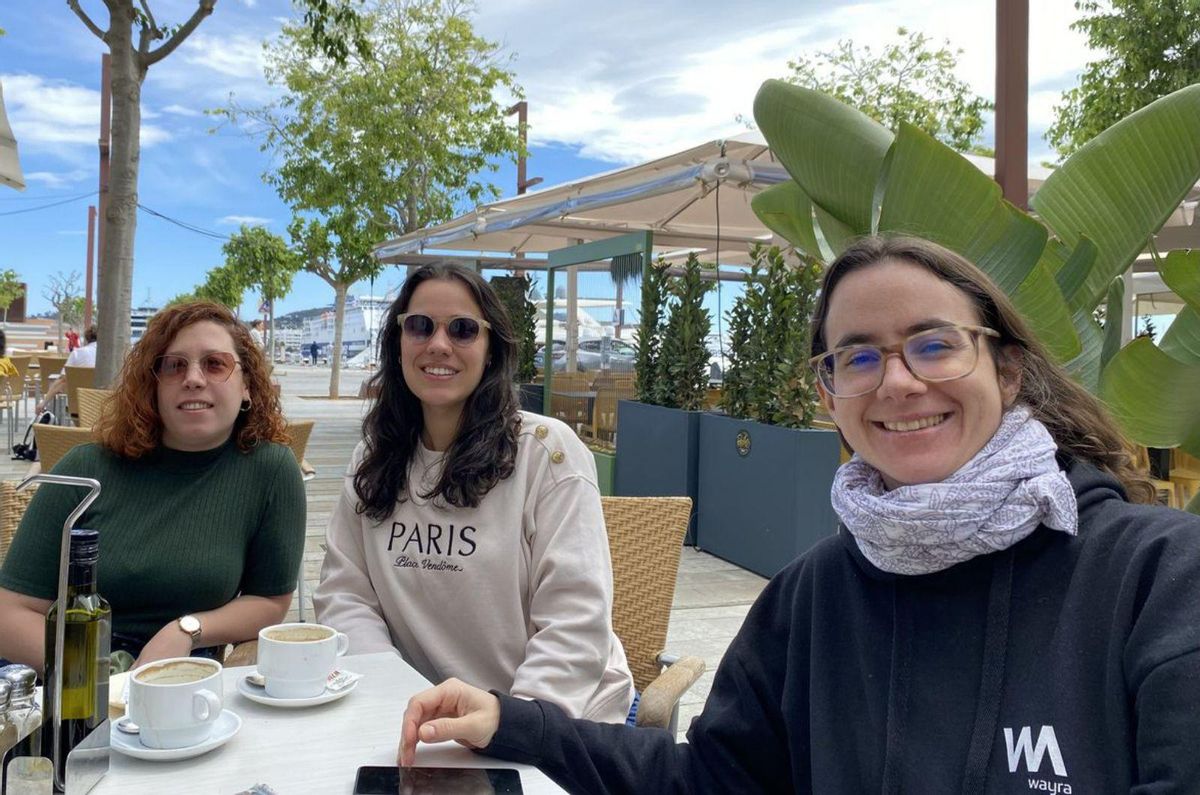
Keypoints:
(258, 694)
(224, 728)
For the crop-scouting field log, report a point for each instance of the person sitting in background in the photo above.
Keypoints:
(72, 339)
(469, 535)
(7, 368)
(256, 333)
(83, 356)
(996, 613)
(202, 513)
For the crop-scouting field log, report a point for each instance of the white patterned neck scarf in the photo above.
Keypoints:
(996, 499)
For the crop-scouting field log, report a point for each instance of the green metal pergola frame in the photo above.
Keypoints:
(633, 243)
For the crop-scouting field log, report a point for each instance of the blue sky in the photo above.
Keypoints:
(608, 84)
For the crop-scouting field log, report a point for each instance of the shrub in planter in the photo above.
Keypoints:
(762, 454)
(514, 292)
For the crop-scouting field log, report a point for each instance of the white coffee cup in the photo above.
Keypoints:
(175, 702)
(296, 659)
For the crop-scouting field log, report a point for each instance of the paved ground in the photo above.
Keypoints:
(711, 596)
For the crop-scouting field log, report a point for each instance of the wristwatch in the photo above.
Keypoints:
(191, 625)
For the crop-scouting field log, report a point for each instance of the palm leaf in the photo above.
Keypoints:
(1152, 395)
(832, 151)
(1121, 186)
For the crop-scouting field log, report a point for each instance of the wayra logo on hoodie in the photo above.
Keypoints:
(1024, 749)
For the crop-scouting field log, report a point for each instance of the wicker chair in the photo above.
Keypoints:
(12, 507)
(21, 362)
(48, 365)
(301, 432)
(78, 378)
(645, 536)
(53, 442)
(90, 404)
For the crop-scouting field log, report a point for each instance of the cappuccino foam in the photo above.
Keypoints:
(175, 673)
(299, 634)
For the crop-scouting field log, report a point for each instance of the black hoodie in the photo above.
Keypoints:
(1063, 664)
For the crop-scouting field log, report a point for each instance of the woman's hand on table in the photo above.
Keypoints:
(453, 710)
(170, 641)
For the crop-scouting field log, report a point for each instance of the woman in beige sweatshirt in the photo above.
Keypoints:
(469, 535)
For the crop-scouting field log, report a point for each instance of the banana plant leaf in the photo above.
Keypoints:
(1153, 396)
(1085, 368)
(1180, 270)
(1182, 339)
(1074, 271)
(933, 192)
(787, 211)
(1044, 307)
(833, 151)
(837, 235)
(1114, 317)
(1122, 186)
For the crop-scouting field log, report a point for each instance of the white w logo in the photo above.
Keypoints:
(1046, 742)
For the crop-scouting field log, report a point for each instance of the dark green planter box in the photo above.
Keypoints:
(531, 398)
(656, 454)
(606, 465)
(763, 508)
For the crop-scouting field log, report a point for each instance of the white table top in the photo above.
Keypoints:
(315, 750)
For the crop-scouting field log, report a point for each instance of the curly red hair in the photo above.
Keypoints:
(131, 426)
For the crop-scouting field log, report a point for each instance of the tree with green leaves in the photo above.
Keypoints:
(136, 41)
(1148, 50)
(394, 140)
(769, 379)
(683, 363)
(11, 289)
(224, 285)
(514, 293)
(339, 252)
(908, 81)
(648, 382)
(263, 261)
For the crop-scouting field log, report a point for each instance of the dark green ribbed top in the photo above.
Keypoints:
(179, 532)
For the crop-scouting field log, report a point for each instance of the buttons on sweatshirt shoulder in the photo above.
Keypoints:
(558, 456)
(541, 432)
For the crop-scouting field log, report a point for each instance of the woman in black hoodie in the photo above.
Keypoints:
(999, 611)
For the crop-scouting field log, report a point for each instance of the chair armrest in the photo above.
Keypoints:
(660, 696)
(244, 653)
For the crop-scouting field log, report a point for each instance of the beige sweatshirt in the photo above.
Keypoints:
(514, 595)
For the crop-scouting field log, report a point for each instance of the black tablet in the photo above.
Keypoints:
(441, 780)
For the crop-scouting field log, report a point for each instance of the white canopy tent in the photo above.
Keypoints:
(10, 166)
(675, 197)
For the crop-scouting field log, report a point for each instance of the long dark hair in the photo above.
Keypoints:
(1079, 423)
(484, 449)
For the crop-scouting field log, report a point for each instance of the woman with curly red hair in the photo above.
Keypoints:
(202, 512)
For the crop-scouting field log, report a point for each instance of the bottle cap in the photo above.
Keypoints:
(21, 678)
(85, 545)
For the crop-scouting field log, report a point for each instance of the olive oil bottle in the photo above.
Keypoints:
(87, 641)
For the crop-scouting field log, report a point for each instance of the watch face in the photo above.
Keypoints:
(190, 624)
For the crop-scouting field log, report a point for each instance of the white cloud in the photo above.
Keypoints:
(47, 113)
(59, 179)
(180, 110)
(625, 81)
(238, 220)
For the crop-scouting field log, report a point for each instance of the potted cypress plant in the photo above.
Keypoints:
(762, 451)
(657, 433)
(514, 292)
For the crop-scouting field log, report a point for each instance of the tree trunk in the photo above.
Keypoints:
(271, 332)
(335, 355)
(120, 219)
